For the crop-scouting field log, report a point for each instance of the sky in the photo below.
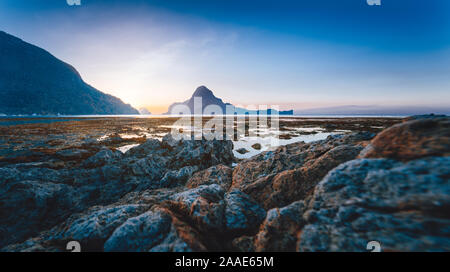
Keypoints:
(295, 54)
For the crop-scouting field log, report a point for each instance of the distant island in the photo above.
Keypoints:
(208, 99)
(32, 81)
(144, 111)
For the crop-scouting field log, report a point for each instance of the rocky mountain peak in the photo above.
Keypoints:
(203, 92)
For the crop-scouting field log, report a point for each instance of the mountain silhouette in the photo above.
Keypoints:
(208, 98)
(32, 81)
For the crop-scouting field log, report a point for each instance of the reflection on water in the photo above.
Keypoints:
(38, 138)
(271, 143)
(125, 148)
(246, 146)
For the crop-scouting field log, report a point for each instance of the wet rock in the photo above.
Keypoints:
(256, 146)
(401, 205)
(155, 230)
(421, 137)
(219, 174)
(242, 151)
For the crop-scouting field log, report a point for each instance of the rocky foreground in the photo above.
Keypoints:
(332, 195)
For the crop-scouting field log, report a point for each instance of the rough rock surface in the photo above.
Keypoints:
(46, 196)
(281, 228)
(155, 230)
(212, 210)
(403, 206)
(277, 178)
(242, 213)
(418, 138)
(25, 206)
(183, 196)
(218, 174)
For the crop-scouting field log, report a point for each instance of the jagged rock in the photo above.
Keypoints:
(150, 168)
(20, 173)
(280, 229)
(244, 244)
(204, 205)
(404, 206)
(104, 156)
(169, 141)
(145, 206)
(151, 146)
(279, 189)
(401, 205)
(290, 157)
(418, 138)
(242, 214)
(218, 174)
(155, 230)
(178, 177)
(210, 209)
(92, 229)
(202, 153)
(25, 206)
(101, 179)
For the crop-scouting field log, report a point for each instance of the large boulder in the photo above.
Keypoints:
(211, 209)
(202, 153)
(402, 206)
(420, 137)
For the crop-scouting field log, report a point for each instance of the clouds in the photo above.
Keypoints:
(151, 53)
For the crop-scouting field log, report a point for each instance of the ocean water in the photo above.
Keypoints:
(244, 146)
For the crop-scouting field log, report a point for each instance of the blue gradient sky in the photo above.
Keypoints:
(297, 54)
